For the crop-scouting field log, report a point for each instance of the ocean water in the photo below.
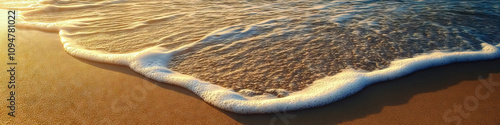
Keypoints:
(261, 56)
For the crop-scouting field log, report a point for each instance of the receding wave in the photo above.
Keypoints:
(261, 56)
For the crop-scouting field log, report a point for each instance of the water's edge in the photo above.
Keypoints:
(152, 63)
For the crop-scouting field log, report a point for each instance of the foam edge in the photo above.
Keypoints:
(321, 92)
(152, 63)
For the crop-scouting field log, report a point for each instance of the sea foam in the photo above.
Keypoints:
(152, 59)
(321, 92)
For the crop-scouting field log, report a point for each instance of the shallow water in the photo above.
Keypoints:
(261, 46)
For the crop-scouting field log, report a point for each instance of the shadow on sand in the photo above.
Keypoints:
(371, 100)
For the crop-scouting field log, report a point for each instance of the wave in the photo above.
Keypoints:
(270, 56)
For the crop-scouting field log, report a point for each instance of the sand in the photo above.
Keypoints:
(56, 87)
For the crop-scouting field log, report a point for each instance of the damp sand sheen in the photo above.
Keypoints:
(263, 56)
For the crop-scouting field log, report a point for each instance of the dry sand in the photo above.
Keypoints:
(56, 87)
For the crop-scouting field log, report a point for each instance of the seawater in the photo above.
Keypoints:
(261, 56)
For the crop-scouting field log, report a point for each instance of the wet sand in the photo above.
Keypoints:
(56, 87)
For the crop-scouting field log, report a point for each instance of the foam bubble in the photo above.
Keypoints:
(321, 92)
(152, 61)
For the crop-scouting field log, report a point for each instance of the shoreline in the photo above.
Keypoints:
(112, 86)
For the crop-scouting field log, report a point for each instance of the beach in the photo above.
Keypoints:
(256, 57)
(54, 86)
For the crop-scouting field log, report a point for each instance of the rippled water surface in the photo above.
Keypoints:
(262, 45)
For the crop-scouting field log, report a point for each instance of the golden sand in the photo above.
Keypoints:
(54, 87)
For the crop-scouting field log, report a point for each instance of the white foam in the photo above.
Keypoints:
(53, 27)
(152, 63)
(321, 92)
